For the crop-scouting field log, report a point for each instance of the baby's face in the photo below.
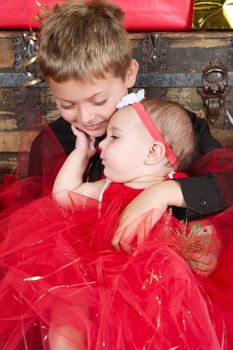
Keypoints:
(125, 147)
(88, 105)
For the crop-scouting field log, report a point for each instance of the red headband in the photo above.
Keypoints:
(146, 119)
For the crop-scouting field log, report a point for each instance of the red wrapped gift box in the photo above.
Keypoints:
(140, 15)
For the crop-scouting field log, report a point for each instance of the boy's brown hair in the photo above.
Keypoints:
(175, 125)
(81, 39)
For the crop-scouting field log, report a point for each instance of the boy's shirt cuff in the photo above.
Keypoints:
(201, 195)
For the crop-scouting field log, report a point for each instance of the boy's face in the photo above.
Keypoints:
(125, 148)
(88, 105)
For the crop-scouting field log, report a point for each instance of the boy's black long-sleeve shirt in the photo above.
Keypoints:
(201, 193)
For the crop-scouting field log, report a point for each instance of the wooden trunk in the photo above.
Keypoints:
(193, 68)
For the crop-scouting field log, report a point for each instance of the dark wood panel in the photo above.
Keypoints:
(171, 66)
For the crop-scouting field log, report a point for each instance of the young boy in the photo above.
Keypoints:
(86, 58)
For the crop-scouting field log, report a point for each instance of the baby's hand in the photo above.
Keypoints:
(154, 200)
(84, 143)
(136, 232)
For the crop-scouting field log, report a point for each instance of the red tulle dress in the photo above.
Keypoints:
(59, 269)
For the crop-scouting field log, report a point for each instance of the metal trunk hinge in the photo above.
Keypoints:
(215, 88)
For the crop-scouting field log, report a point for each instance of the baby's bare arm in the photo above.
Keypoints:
(157, 197)
(90, 189)
(160, 196)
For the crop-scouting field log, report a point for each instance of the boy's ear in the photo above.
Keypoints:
(131, 73)
(156, 153)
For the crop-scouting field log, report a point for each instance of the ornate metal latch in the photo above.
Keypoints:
(215, 89)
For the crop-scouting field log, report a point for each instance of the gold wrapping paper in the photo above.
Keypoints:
(217, 14)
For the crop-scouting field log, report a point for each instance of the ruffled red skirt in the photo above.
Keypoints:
(60, 272)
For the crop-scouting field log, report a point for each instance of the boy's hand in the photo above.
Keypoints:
(205, 263)
(70, 176)
(84, 143)
(159, 197)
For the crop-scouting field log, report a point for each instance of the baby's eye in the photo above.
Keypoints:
(114, 137)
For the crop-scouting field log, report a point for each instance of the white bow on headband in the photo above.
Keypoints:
(131, 98)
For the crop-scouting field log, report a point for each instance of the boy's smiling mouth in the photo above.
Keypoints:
(93, 126)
